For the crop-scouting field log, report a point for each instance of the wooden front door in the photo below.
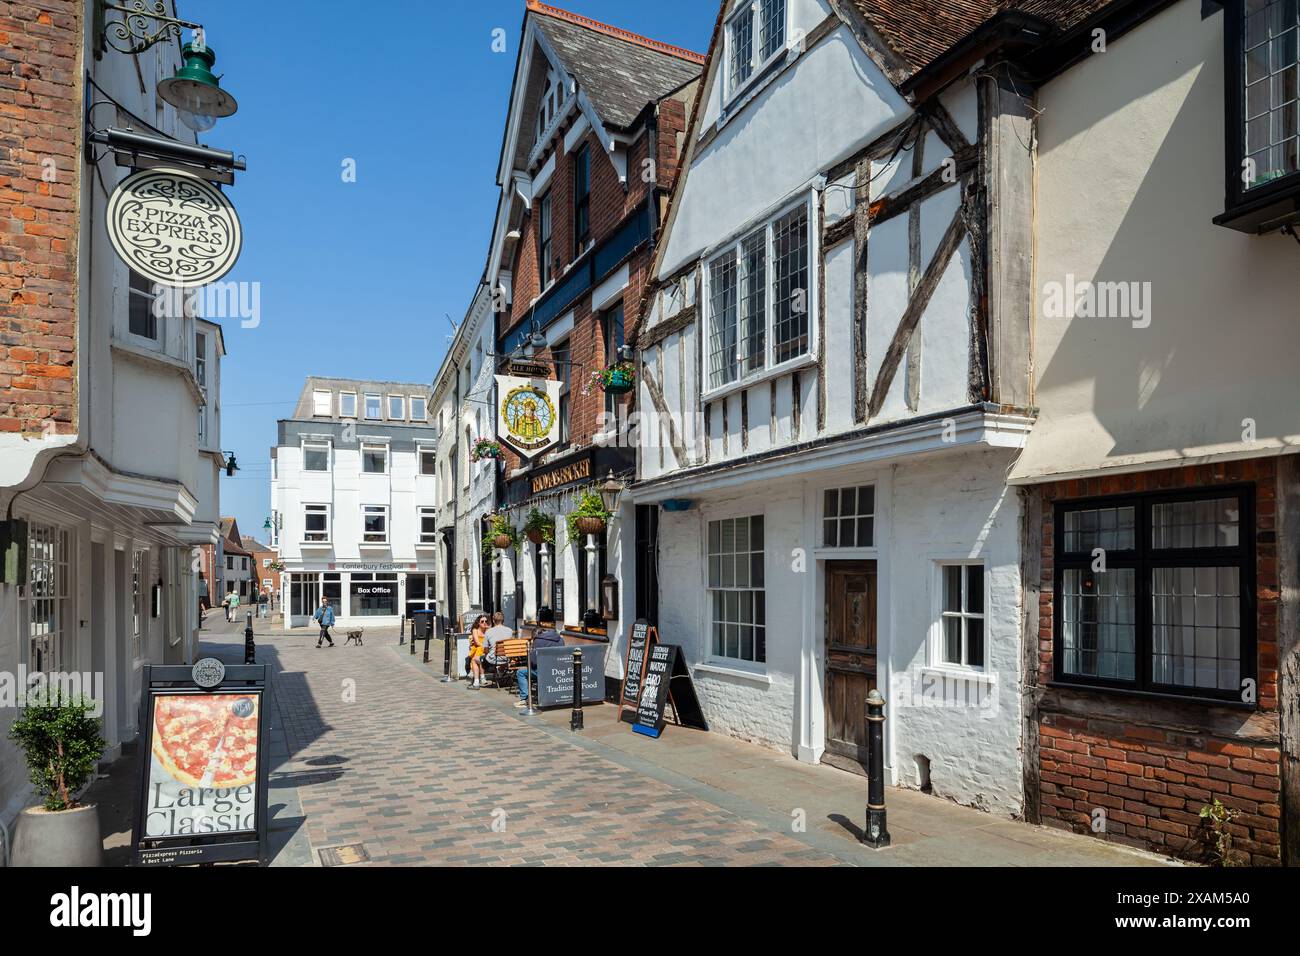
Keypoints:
(850, 659)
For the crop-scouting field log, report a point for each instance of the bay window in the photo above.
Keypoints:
(1262, 63)
(1155, 593)
(758, 299)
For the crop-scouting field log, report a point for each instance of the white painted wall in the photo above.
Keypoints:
(1130, 174)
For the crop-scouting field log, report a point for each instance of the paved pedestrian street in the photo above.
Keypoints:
(370, 749)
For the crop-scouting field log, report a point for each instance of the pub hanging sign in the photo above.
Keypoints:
(173, 228)
(527, 417)
(204, 769)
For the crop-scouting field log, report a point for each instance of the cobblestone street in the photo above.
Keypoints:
(382, 754)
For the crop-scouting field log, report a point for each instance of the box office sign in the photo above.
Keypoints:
(173, 228)
(555, 675)
(527, 416)
(203, 792)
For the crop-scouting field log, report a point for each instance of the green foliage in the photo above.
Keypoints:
(590, 506)
(1217, 817)
(62, 744)
(499, 524)
(536, 521)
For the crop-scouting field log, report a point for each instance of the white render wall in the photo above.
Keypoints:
(953, 506)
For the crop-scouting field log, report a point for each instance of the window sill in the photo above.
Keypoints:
(315, 544)
(426, 544)
(1277, 204)
(1152, 695)
(757, 378)
(731, 670)
(763, 74)
(956, 672)
(374, 546)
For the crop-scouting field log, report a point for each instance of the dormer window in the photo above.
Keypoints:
(1262, 60)
(755, 35)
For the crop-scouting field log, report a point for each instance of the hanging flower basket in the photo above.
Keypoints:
(502, 541)
(499, 534)
(617, 379)
(484, 449)
(590, 517)
(539, 528)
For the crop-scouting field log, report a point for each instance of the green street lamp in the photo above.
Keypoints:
(196, 91)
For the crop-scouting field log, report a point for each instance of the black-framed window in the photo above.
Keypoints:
(581, 199)
(544, 253)
(613, 325)
(585, 599)
(1262, 73)
(141, 319)
(560, 355)
(1155, 593)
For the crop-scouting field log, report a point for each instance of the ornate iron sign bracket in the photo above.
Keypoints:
(143, 23)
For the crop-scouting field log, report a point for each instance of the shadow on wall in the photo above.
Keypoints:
(1221, 343)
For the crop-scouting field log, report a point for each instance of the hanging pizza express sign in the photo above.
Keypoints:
(173, 228)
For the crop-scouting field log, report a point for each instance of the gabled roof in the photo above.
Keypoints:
(252, 544)
(232, 543)
(919, 32)
(620, 71)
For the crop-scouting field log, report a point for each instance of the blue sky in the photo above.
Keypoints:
(357, 279)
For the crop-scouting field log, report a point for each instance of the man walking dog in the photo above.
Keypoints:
(324, 616)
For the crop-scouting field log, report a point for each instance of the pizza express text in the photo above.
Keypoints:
(173, 225)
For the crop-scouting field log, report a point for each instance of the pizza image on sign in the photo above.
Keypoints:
(207, 740)
(203, 764)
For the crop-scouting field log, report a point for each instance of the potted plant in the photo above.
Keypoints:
(590, 517)
(500, 534)
(616, 379)
(62, 745)
(485, 448)
(539, 528)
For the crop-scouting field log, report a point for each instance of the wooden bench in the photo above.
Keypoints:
(355, 636)
(511, 654)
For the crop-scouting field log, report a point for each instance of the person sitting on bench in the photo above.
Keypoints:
(497, 633)
(546, 636)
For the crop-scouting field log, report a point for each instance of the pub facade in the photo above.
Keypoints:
(593, 129)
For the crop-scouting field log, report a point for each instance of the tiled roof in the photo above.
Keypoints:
(920, 31)
(618, 70)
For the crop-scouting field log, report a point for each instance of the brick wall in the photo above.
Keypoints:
(1152, 765)
(40, 119)
(611, 204)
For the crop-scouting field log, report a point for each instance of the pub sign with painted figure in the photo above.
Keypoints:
(527, 417)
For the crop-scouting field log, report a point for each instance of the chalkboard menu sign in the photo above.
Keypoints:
(557, 599)
(637, 643)
(667, 678)
(554, 680)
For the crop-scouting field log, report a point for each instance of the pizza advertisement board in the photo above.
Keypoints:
(203, 793)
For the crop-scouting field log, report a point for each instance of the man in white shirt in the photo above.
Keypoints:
(496, 633)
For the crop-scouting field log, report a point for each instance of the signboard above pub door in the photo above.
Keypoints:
(850, 660)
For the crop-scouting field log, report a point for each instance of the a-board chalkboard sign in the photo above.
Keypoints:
(202, 804)
(638, 643)
(555, 675)
(667, 678)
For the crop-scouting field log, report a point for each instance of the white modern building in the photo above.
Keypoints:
(109, 469)
(354, 501)
(834, 390)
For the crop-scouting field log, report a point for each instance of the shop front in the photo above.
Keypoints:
(361, 594)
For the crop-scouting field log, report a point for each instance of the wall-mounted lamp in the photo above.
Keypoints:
(610, 491)
(609, 593)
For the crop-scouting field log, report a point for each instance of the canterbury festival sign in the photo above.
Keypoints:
(528, 418)
(173, 228)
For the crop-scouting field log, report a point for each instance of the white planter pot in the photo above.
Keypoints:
(58, 837)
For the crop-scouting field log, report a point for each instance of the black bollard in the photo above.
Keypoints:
(426, 644)
(444, 630)
(250, 649)
(401, 635)
(575, 719)
(412, 638)
(877, 834)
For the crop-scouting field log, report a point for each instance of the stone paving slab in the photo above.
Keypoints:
(422, 772)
